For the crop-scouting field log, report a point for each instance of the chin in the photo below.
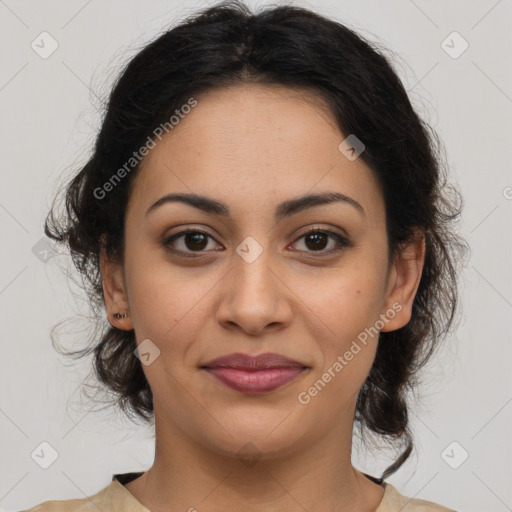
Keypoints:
(260, 438)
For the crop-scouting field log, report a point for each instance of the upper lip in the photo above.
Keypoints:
(247, 362)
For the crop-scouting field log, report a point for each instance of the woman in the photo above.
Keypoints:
(266, 220)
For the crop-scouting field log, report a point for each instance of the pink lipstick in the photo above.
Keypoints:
(259, 374)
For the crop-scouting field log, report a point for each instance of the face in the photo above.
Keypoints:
(256, 279)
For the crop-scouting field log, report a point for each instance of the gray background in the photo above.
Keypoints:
(49, 115)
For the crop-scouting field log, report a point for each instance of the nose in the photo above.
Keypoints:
(254, 297)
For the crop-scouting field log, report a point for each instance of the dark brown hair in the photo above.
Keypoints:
(291, 46)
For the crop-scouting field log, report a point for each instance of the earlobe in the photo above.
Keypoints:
(116, 302)
(404, 282)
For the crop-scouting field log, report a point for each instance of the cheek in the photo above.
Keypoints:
(354, 311)
(347, 346)
(332, 393)
(348, 358)
(349, 304)
(160, 294)
(348, 298)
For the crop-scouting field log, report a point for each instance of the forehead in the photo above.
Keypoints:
(251, 146)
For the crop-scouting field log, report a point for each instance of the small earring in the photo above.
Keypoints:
(118, 315)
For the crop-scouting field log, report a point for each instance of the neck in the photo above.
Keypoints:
(315, 476)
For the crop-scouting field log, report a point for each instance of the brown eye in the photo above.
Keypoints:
(317, 240)
(195, 241)
(190, 241)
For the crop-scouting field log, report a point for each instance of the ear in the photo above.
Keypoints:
(114, 291)
(404, 279)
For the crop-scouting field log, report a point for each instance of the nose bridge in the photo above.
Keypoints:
(252, 272)
(253, 297)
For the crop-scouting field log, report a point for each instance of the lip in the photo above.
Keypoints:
(254, 374)
(247, 362)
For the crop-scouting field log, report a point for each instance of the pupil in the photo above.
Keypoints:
(195, 238)
(316, 243)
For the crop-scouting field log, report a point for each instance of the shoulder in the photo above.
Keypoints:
(112, 498)
(89, 504)
(394, 501)
(78, 505)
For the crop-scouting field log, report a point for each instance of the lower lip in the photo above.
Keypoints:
(259, 381)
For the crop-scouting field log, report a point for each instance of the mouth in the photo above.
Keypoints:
(255, 381)
(254, 375)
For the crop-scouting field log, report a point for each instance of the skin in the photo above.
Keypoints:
(251, 147)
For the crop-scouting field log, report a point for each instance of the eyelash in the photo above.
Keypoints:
(342, 242)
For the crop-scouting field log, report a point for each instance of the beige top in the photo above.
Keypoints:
(116, 498)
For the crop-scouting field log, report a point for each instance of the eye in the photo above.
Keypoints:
(316, 240)
(193, 241)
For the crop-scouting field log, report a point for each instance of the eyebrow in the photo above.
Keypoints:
(284, 209)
